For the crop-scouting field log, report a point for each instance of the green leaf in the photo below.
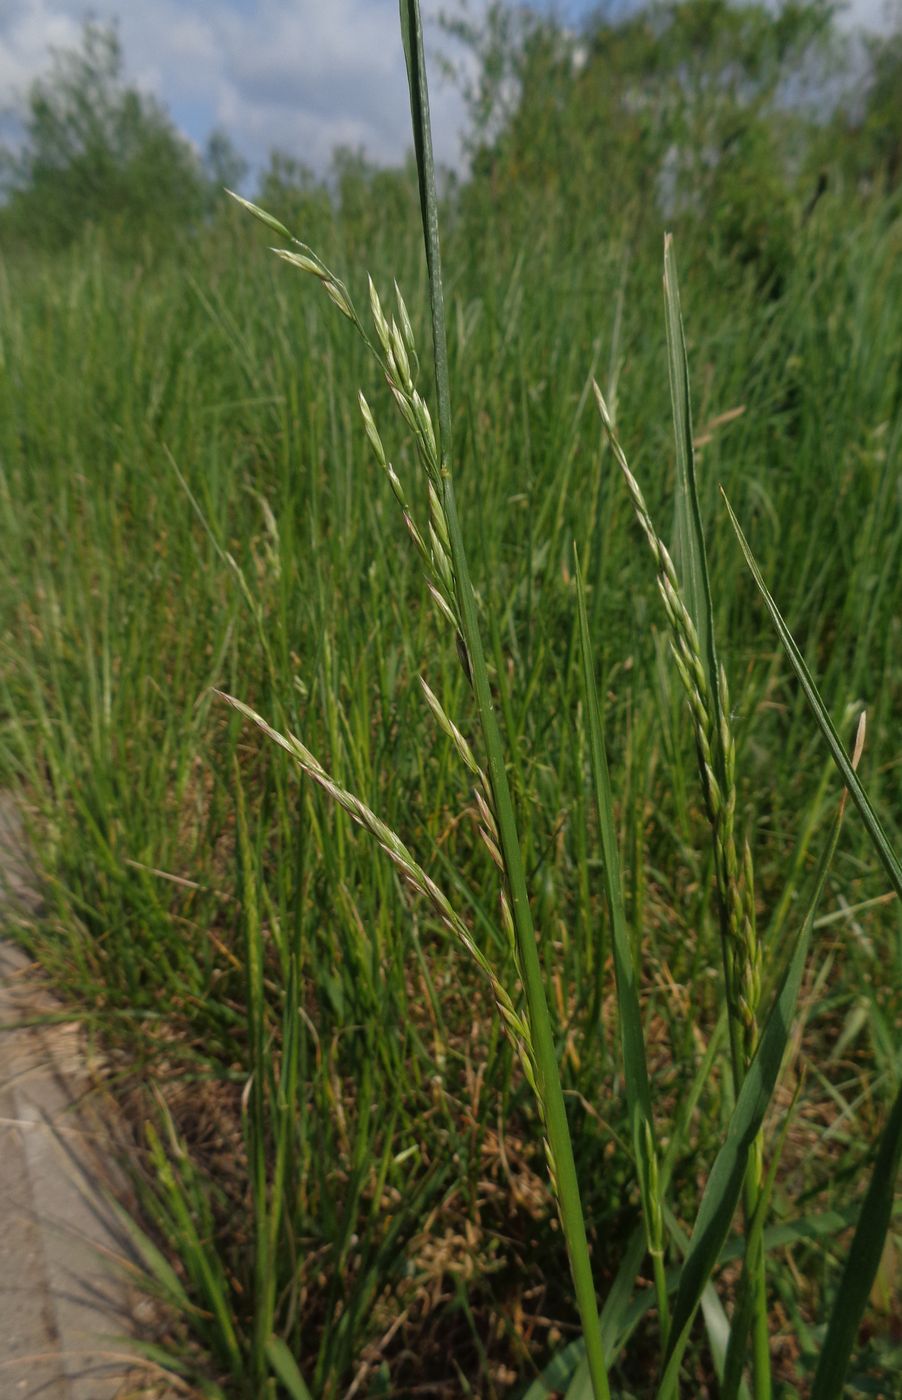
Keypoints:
(724, 1185)
(157, 1266)
(412, 35)
(618, 1316)
(717, 1324)
(755, 1246)
(691, 558)
(862, 1262)
(473, 659)
(632, 1036)
(875, 830)
(622, 1313)
(286, 1368)
(558, 1374)
(631, 1032)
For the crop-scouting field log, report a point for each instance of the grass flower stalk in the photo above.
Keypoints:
(442, 549)
(645, 1148)
(709, 708)
(560, 1149)
(716, 753)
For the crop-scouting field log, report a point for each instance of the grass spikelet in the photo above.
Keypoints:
(717, 762)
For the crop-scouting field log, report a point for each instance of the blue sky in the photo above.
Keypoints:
(297, 74)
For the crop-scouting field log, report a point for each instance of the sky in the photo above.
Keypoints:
(301, 75)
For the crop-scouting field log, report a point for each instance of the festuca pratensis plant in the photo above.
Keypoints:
(440, 545)
(758, 1035)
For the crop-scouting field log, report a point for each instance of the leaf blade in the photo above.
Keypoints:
(633, 1040)
(287, 1370)
(862, 1262)
(879, 838)
(691, 555)
(724, 1186)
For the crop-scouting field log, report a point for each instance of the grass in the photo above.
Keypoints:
(189, 502)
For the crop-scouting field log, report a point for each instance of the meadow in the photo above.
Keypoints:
(335, 1142)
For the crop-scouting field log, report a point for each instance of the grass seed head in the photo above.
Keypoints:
(371, 430)
(379, 320)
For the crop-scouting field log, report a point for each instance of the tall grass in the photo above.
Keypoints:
(349, 1173)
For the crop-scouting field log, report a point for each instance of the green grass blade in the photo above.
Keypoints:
(412, 35)
(717, 1324)
(623, 1311)
(743, 1318)
(549, 1084)
(615, 1315)
(286, 1368)
(557, 1375)
(862, 1262)
(256, 1126)
(691, 558)
(157, 1266)
(724, 1186)
(692, 565)
(184, 1206)
(882, 845)
(632, 1036)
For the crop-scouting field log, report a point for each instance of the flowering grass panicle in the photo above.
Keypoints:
(716, 750)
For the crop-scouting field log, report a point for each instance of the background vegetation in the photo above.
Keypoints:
(187, 500)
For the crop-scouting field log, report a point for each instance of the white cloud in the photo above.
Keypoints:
(295, 74)
(27, 29)
(307, 78)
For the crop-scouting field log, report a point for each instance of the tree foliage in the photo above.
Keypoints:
(725, 119)
(96, 151)
(867, 133)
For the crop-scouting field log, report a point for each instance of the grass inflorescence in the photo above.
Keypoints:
(579, 1079)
